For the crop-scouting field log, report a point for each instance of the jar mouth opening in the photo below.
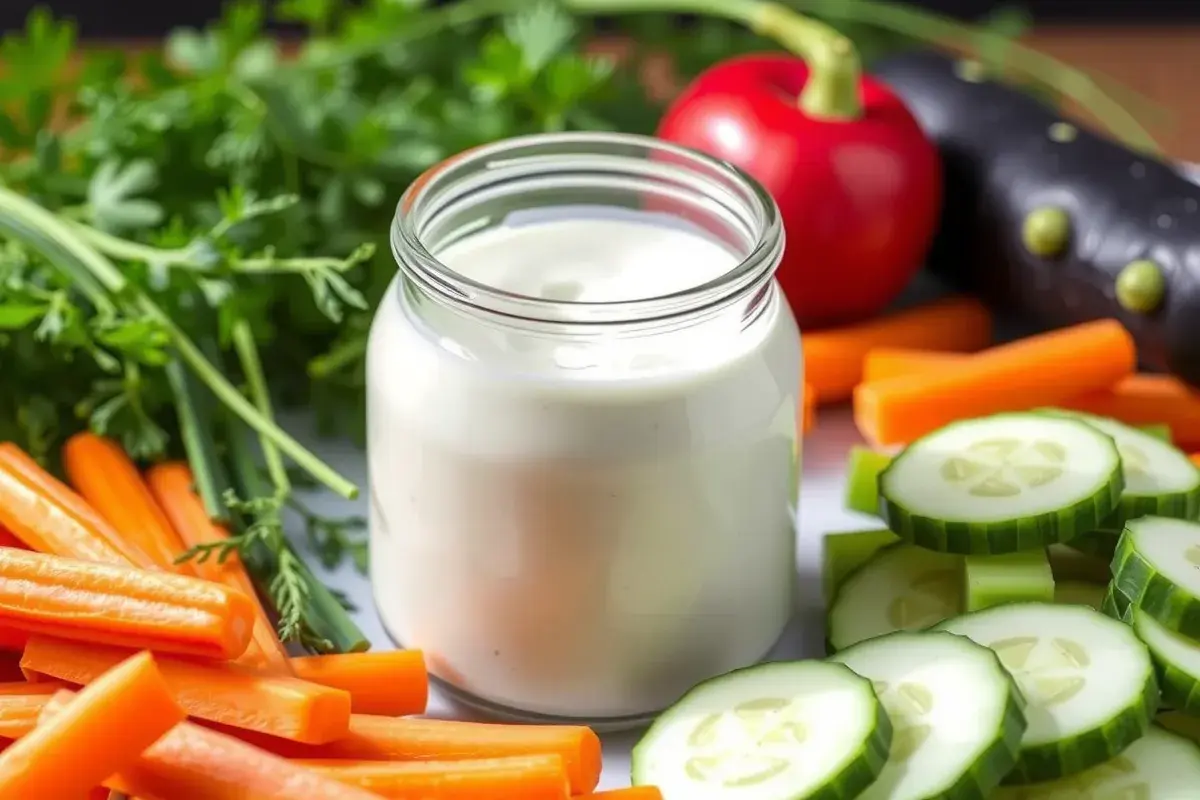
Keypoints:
(474, 190)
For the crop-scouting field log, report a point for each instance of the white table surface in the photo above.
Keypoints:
(820, 511)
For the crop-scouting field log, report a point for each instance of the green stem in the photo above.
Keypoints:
(45, 232)
(342, 354)
(247, 350)
(195, 425)
(1062, 78)
(832, 91)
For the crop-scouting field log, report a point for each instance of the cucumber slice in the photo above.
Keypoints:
(1157, 567)
(957, 717)
(1071, 565)
(901, 588)
(1159, 766)
(1159, 478)
(1177, 659)
(1001, 484)
(1009, 578)
(1160, 431)
(780, 731)
(1087, 679)
(843, 553)
(863, 467)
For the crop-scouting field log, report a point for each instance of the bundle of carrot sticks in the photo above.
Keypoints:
(128, 674)
(914, 371)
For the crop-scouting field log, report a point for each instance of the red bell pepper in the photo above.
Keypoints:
(857, 182)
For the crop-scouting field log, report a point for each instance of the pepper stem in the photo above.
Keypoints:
(832, 91)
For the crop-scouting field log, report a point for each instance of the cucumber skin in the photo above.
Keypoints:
(1054, 760)
(1005, 536)
(997, 761)
(861, 771)
(1180, 691)
(1098, 543)
(863, 467)
(1137, 579)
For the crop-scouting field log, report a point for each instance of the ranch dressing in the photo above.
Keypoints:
(581, 520)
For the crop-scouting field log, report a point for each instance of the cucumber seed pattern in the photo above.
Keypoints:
(753, 743)
(1005, 467)
(906, 704)
(933, 596)
(1048, 671)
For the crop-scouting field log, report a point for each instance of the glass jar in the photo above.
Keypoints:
(582, 393)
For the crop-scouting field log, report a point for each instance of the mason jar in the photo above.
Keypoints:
(582, 395)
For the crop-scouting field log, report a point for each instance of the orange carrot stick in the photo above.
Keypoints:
(1043, 370)
(100, 730)
(7, 539)
(390, 683)
(119, 605)
(1195, 457)
(12, 640)
(171, 485)
(833, 358)
(47, 516)
(194, 763)
(518, 778)
(21, 703)
(808, 406)
(883, 363)
(109, 480)
(634, 793)
(280, 706)
(375, 738)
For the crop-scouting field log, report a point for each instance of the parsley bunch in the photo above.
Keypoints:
(194, 234)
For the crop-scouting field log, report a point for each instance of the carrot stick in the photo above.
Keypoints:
(518, 778)
(390, 683)
(808, 406)
(634, 793)
(12, 640)
(194, 763)
(171, 484)
(47, 516)
(280, 706)
(1195, 457)
(112, 604)
(375, 738)
(833, 358)
(1043, 370)
(1141, 399)
(100, 730)
(883, 363)
(21, 703)
(109, 480)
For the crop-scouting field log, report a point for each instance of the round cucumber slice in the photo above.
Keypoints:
(901, 588)
(1177, 659)
(1002, 483)
(1159, 766)
(1088, 683)
(1159, 478)
(1079, 593)
(957, 717)
(1157, 567)
(779, 731)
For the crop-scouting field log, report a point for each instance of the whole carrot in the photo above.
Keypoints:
(102, 729)
(108, 479)
(390, 683)
(516, 778)
(280, 706)
(1043, 370)
(375, 738)
(833, 357)
(48, 517)
(199, 764)
(111, 604)
(171, 486)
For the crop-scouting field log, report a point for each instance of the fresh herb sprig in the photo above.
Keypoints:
(194, 234)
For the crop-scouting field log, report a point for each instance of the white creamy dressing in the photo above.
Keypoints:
(582, 526)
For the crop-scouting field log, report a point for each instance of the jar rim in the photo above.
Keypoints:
(500, 161)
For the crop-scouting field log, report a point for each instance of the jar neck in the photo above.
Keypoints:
(584, 176)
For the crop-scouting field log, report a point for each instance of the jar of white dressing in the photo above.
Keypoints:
(582, 394)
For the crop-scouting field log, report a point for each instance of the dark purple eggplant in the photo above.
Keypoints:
(1054, 222)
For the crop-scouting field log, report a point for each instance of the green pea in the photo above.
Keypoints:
(1046, 231)
(1141, 286)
